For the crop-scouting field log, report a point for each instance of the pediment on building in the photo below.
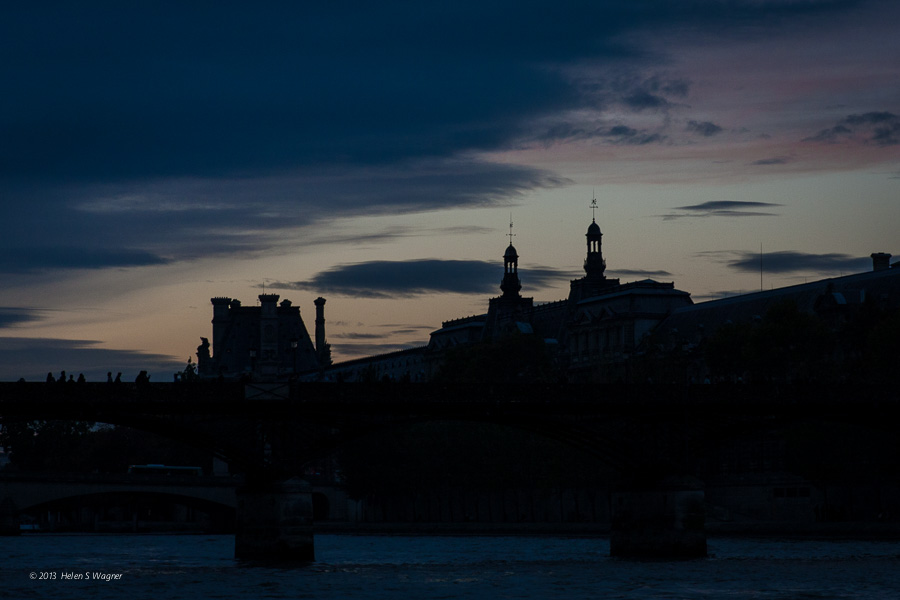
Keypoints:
(583, 317)
(592, 317)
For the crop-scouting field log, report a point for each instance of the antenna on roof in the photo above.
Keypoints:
(760, 268)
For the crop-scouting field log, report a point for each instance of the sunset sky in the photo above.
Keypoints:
(156, 154)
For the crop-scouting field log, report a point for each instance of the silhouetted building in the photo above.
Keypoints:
(845, 310)
(264, 342)
(590, 336)
(608, 331)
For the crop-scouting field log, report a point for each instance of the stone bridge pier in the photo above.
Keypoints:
(9, 517)
(275, 521)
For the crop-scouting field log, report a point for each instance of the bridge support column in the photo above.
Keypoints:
(666, 520)
(274, 522)
(9, 517)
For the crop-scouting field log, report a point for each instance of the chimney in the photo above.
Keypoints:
(320, 324)
(881, 261)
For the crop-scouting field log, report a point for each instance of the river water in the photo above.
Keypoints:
(161, 567)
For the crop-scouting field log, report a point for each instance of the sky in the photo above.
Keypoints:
(154, 155)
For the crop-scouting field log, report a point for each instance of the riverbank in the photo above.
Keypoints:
(858, 530)
(465, 529)
(844, 530)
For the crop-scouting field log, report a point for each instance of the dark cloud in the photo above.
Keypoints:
(704, 128)
(125, 92)
(622, 134)
(722, 208)
(27, 260)
(181, 131)
(726, 205)
(393, 279)
(13, 316)
(340, 323)
(644, 100)
(789, 261)
(678, 88)
(636, 93)
(168, 132)
(33, 358)
(871, 118)
(336, 236)
(405, 328)
(411, 330)
(655, 93)
(639, 273)
(878, 128)
(832, 134)
(615, 134)
(774, 160)
(356, 336)
(184, 219)
(888, 135)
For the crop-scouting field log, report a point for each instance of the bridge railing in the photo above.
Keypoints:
(20, 398)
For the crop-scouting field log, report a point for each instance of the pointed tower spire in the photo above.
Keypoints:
(510, 284)
(594, 265)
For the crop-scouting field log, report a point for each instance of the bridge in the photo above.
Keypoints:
(647, 434)
(200, 498)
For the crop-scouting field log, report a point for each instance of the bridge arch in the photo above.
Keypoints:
(440, 470)
(113, 503)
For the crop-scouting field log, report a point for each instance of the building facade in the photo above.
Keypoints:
(605, 331)
(832, 330)
(588, 336)
(266, 342)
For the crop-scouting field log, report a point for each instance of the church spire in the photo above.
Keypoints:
(594, 265)
(510, 284)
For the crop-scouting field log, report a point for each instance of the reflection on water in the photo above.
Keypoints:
(163, 567)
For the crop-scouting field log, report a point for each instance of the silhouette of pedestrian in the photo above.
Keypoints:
(81, 378)
(51, 378)
(109, 377)
(118, 378)
(142, 378)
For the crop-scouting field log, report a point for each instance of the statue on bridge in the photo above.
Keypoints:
(203, 355)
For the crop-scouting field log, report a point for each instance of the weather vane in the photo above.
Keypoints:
(593, 206)
(510, 234)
